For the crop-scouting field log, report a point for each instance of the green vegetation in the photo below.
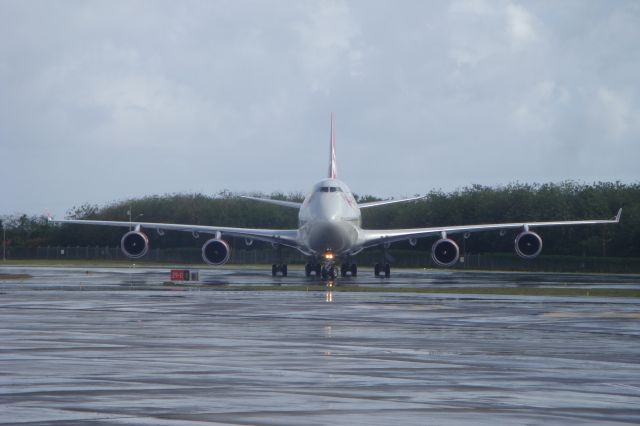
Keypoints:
(470, 205)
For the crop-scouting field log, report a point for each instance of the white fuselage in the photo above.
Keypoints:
(329, 219)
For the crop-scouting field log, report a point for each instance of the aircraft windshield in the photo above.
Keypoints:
(329, 189)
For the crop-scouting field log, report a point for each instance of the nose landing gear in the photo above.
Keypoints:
(327, 269)
(328, 272)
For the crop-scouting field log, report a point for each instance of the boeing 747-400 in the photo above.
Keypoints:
(330, 231)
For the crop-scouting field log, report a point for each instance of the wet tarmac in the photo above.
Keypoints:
(114, 346)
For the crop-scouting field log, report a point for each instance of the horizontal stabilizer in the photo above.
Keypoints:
(283, 203)
(385, 202)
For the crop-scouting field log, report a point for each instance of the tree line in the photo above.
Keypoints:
(516, 202)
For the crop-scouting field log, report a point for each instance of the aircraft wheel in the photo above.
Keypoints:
(274, 270)
(319, 270)
(343, 270)
(387, 270)
(283, 269)
(307, 269)
(376, 270)
(354, 270)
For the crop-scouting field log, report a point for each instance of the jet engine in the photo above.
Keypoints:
(134, 244)
(216, 252)
(445, 252)
(528, 245)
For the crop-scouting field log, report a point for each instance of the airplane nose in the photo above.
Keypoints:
(327, 211)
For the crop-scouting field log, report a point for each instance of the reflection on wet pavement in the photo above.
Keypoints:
(115, 346)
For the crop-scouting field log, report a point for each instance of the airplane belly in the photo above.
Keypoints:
(335, 237)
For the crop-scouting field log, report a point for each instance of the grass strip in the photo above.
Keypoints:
(15, 276)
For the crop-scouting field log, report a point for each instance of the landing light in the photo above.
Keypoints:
(328, 255)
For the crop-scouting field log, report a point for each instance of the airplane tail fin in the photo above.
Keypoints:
(333, 170)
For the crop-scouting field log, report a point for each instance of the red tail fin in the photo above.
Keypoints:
(333, 170)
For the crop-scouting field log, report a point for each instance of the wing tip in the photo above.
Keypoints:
(617, 218)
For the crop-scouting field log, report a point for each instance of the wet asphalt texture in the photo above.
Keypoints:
(113, 346)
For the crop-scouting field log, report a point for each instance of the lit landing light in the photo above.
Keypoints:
(328, 255)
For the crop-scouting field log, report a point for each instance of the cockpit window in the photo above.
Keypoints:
(330, 189)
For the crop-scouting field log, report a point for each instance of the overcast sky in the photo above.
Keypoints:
(105, 100)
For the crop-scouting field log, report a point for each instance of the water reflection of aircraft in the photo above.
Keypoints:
(328, 296)
(329, 231)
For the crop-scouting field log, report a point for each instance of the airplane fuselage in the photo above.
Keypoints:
(329, 219)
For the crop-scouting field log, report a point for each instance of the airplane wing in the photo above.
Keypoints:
(371, 237)
(272, 201)
(287, 237)
(385, 202)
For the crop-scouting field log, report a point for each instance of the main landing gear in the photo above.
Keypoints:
(312, 267)
(279, 268)
(348, 268)
(383, 267)
(379, 269)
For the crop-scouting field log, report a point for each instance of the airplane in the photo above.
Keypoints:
(330, 231)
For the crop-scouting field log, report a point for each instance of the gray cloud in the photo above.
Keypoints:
(106, 100)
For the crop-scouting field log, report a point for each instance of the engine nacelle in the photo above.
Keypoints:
(445, 252)
(528, 245)
(216, 252)
(134, 244)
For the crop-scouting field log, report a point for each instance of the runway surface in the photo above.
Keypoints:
(115, 346)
